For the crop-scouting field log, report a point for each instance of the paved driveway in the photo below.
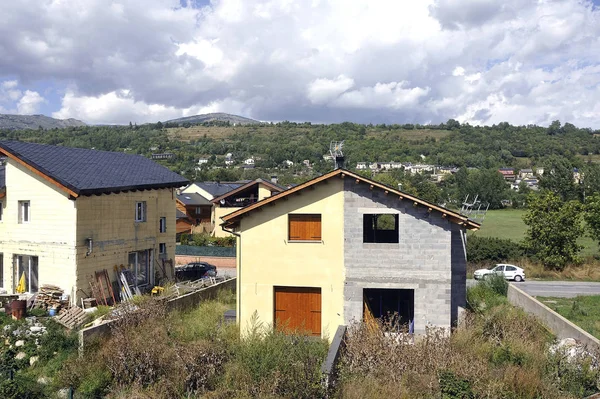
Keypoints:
(561, 289)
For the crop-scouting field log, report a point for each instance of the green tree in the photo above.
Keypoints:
(553, 229)
(592, 216)
(558, 178)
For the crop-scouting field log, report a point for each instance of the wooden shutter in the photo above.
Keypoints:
(298, 309)
(305, 227)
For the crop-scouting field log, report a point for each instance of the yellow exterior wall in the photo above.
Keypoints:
(263, 192)
(217, 213)
(50, 234)
(266, 259)
(59, 227)
(109, 219)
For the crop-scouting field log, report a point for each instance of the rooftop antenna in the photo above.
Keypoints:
(335, 149)
(474, 210)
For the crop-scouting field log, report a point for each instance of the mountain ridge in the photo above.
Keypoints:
(18, 122)
(214, 117)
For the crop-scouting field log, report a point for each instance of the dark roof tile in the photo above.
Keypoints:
(86, 172)
(193, 199)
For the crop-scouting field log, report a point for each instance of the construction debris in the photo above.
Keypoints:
(72, 318)
(51, 297)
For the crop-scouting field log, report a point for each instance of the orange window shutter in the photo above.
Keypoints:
(316, 228)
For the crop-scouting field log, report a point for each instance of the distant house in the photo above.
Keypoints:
(212, 189)
(197, 209)
(343, 248)
(165, 155)
(67, 213)
(539, 172)
(507, 173)
(287, 163)
(229, 159)
(249, 161)
(526, 174)
(361, 166)
(202, 161)
(247, 194)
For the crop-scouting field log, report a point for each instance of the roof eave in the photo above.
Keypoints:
(137, 187)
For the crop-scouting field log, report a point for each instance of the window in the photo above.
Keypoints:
(304, 227)
(382, 228)
(139, 264)
(1, 270)
(140, 211)
(163, 225)
(27, 273)
(510, 268)
(198, 210)
(24, 211)
(1, 210)
(162, 250)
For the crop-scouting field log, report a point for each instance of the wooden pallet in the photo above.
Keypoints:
(72, 318)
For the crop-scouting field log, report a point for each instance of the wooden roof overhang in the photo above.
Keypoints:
(232, 219)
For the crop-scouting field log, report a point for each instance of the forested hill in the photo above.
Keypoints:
(8, 121)
(447, 144)
(214, 117)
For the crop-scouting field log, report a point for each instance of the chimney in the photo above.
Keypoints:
(399, 186)
(274, 179)
(339, 162)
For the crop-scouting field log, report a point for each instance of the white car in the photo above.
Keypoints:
(510, 272)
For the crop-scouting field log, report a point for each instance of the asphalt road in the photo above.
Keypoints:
(561, 289)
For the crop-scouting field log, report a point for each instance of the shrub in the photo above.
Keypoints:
(487, 294)
(273, 363)
(21, 387)
(484, 249)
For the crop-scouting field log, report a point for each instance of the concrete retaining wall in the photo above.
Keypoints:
(560, 326)
(184, 302)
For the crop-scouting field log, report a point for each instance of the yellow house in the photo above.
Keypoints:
(66, 213)
(247, 194)
(342, 247)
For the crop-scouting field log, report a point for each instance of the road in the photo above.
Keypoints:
(561, 289)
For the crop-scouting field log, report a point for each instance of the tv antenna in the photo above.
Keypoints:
(474, 210)
(335, 150)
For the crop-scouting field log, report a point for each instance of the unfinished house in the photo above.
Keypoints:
(341, 248)
(69, 212)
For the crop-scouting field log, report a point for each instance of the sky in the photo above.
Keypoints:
(367, 61)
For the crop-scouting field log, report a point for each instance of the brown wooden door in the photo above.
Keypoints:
(298, 309)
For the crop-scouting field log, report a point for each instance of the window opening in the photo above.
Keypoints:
(24, 211)
(163, 225)
(27, 273)
(139, 264)
(381, 228)
(140, 211)
(394, 308)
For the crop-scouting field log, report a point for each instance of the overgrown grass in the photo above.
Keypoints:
(156, 354)
(498, 352)
(582, 310)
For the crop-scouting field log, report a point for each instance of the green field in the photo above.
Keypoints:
(583, 311)
(508, 223)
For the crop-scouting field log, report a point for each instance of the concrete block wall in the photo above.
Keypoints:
(422, 260)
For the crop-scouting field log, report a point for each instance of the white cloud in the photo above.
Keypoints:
(30, 102)
(13, 100)
(364, 60)
(321, 91)
(391, 95)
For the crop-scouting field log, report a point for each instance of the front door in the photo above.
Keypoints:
(298, 309)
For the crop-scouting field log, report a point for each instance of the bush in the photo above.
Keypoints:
(487, 294)
(205, 239)
(490, 249)
(277, 364)
(21, 387)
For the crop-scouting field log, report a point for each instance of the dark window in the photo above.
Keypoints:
(393, 307)
(304, 228)
(140, 211)
(510, 268)
(163, 225)
(382, 228)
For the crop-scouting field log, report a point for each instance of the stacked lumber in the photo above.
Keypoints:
(50, 296)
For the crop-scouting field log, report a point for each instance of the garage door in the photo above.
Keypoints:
(298, 309)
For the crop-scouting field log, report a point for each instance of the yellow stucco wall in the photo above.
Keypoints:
(272, 261)
(59, 227)
(110, 221)
(50, 234)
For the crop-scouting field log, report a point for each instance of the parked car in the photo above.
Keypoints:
(195, 271)
(510, 272)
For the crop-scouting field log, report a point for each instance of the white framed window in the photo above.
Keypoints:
(163, 225)
(139, 264)
(24, 212)
(140, 211)
(162, 250)
(27, 273)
